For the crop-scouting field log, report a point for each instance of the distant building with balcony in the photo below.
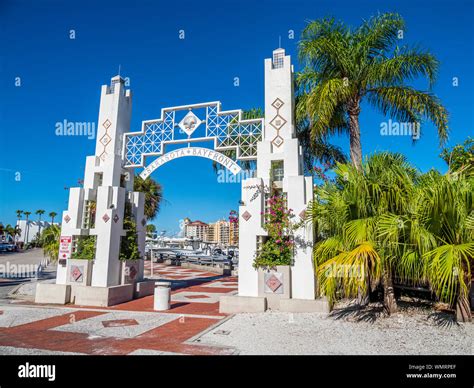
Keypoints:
(196, 230)
(233, 233)
(219, 232)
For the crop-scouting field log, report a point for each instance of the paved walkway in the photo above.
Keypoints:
(20, 267)
(129, 328)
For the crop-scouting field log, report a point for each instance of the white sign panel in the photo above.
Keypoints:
(227, 162)
(65, 247)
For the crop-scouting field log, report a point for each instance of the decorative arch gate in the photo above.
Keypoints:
(226, 129)
(268, 141)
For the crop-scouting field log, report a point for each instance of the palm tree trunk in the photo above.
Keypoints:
(463, 307)
(389, 301)
(354, 134)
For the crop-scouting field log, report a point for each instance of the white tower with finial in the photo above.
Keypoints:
(98, 209)
(279, 152)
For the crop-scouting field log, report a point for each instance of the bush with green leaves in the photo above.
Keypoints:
(85, 248)
(129, 243)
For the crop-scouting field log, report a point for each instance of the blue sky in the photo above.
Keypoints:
(61, 79)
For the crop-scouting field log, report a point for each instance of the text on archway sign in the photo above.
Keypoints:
(225, 161)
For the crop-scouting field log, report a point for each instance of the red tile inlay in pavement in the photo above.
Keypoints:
(196, 296)
(119, 322)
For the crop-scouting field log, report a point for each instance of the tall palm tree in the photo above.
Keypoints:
(27, 215)
(52, 215)
(153, 195)
(345, 67)
(17, 233)
(39, 213)
(18, 214)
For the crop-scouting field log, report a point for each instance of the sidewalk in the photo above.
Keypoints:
(129, 328)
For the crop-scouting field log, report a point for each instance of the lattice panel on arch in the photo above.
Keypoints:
(233, 133)
(149, 142)
(226, 129)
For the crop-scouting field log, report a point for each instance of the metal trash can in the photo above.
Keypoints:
(162, 297)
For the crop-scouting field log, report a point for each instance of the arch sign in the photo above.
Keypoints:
(225, 161)
(204, 122)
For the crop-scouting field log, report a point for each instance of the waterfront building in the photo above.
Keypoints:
(196, 229)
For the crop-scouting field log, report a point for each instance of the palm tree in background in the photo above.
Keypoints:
(153, 195)
(27, 215)
(39, 213)
(52, 215)
(11, 231)
(18, 214)
(344, 67)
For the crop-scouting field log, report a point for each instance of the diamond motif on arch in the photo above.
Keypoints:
(105, 139)
(106, 218)
(246, 216)
(278, 141)
(278, 122)
(189, 123)
(67, 218)
(277, 104)
(106, 124)
(116, 218)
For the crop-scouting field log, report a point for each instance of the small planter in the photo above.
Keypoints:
(130, 271)
(274, 284)
(79, 272)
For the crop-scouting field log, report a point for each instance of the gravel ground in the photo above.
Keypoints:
(346, 331)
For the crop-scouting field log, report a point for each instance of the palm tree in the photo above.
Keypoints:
(446, 219)
(52, 215)
(153, 195)
(351, 217)
(18, 214)
(10, 231)
(345, 67)
(39, 212)
(17, 233)
(316, 150)
(27, 214)
(50, 242)
(387, 224)
(151, 230)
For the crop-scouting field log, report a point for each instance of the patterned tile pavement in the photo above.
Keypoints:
(129, 328)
